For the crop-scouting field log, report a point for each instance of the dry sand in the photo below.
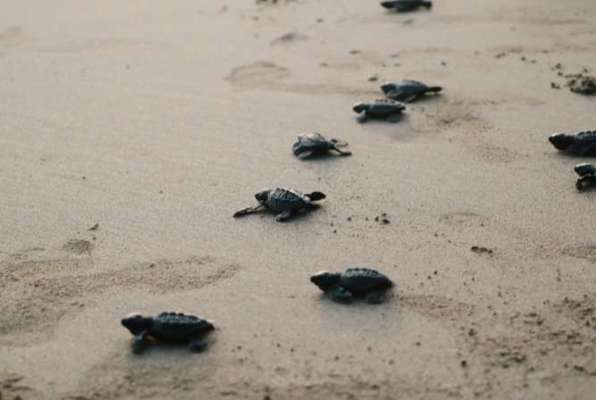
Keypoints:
(157, 120)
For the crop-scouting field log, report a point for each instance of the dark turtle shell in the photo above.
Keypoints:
(362, 280)
(406, 5)
(381, 108)
(178, 326)
(312, 142)
(407, 90)
(582, 144)
(279, 200)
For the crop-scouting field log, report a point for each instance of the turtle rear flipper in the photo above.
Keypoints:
(394, 118)
(434, 89)
(376, 297)
(249, 210)
(315, 196)
(284, 216)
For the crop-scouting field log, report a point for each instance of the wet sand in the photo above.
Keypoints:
(157, 121)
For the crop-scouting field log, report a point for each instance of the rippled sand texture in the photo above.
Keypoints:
(158, 120)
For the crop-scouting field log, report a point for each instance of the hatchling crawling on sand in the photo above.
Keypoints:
(316, 144)
(386, 109)
(587, 176)
(284, 202)
(363, 283)
(581, 144)
(168, 327)
(406, 5)
(407, 90)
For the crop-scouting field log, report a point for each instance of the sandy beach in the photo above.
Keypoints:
(152, 122)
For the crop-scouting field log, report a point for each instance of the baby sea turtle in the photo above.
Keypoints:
(387, 109)
(581, 144)
(315, 144)
(168, 327)
(284, 202)
(407, 90)
(587, 175)
(406, 5)
(353, 283)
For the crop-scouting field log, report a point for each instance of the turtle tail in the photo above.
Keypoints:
(435, 88)
(315, 196)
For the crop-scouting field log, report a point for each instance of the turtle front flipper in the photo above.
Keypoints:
(284, 216)
(197, 345)
(139, 342)
(249, 210)
(337, 144)
(340, 294)
(584, 182)
(304, 154)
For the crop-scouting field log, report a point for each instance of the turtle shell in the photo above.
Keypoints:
(584, 144)
(178, 326)
(279, 200)
(384, 108)
(311, 142)
(363, 280)
(405, 5)
(404, 90)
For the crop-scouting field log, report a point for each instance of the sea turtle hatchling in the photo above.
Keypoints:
(284, 202)
(407, 90)
(406, 5)
(353, 283)
(387, 109)
(315, 144)
(167, 327)
(581, 144)
(587, 175)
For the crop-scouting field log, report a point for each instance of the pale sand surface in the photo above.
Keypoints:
(158, 120)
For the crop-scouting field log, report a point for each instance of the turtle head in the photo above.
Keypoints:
(325, 280)
(136, 323)
(388, 87)
(262, 196)
(561, 141)
(360, 107)
(585, 169)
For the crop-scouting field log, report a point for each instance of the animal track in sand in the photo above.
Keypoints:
(78, 247)
(460, 218)
(289, 38)
(147, 380)
(436, 306)
(12, 384)
(583, 252)
(101, 45)
(258, 74)
(495, 154)
(36, 294)
(267, 75)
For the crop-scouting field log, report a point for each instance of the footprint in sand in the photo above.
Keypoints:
(258, 74)
(78, 247)
(289, 38)
(583, 252)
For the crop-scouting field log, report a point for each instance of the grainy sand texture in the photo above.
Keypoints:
(157, 120)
